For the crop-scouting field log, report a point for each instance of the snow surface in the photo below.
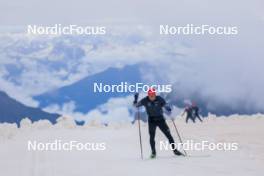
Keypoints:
(122, 156)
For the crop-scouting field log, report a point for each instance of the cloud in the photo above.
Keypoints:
(17, 93)
(128, 12)
(219, 70)
(40, 64)
(114, 110)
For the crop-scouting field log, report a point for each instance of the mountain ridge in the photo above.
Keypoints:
(13, 111)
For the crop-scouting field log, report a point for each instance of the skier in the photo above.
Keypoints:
(189, 113)
(154, 105)
(195, 112)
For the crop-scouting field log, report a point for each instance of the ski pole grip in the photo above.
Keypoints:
(135, 98)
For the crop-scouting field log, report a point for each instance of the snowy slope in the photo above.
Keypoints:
(121, 156)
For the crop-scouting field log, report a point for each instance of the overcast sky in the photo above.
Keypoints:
(225, 67)
(15, 12)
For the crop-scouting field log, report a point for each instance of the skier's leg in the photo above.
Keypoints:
(193, 119)
(197, 115)
(152, 131)
(186, 120)
(166, 131)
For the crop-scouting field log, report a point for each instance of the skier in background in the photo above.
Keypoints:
(189, 113)
(195, 112)
(154, 105)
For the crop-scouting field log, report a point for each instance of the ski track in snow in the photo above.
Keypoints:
(122, 154)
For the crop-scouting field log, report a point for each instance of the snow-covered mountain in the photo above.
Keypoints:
(82, 95)
(12, 111)
(82, 92)
(66, 65)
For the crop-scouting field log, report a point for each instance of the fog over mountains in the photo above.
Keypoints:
(54, 71)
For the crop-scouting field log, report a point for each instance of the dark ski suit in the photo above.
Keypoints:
(189, 114)
(156, 119)
(196, 113)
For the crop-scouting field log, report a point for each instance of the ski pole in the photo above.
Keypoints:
(178, 135)
(139, 132)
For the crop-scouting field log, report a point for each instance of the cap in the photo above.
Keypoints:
(151, 92)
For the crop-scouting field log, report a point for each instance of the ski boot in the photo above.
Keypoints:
(178, 153)
(152, 156)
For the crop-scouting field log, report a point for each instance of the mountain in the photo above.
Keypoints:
(82, 92)
(13, 111)
(85, 99)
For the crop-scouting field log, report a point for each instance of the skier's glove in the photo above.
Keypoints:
(135, 98)
(168, 108)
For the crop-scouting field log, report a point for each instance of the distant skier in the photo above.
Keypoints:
(154, 105)
(189, 113)
(195, 112)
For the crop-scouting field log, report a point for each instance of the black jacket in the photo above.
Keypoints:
(153, 108)
(195, 110)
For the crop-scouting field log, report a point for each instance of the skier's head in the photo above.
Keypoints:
(152, 94)
(188, 106)
(193, 103)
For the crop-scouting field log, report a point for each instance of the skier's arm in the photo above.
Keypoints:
(167, 107)
(183, 112)
(165, 104)
(136, 103)
(162, 101)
